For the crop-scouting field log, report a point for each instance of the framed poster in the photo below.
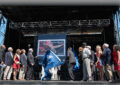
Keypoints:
(55, 45)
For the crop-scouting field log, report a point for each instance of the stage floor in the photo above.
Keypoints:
(38, 82)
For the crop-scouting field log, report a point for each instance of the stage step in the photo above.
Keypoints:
(38, 82)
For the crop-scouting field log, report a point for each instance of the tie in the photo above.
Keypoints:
(11, 54)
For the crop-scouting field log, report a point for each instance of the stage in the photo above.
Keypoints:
(38, 82)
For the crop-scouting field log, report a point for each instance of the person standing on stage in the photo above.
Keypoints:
(116, 59)
(86, 63)
(80, 60)
(23, 69)
(106, 56)
(2, 59)
(99, 62)
(8, 63)
(72, 62)
(92, 59)
(2, 54)
(16, 64)
(30, 59)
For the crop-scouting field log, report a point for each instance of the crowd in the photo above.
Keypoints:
(20, 66)
(102, 59)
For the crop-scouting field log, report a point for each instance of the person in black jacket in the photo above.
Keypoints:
(72, 62)
(23, 69)
(30, 59)
(2, 59)
(8, 63)
(80, 60)
(106, 57)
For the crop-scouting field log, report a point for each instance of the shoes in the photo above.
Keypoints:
(8, 79)
(83, 80)
(14, 79)
(27, 79)
(21, 79)
(71, 80)
(110, 81)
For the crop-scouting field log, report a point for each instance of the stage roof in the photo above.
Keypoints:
(46, 13)
(59, 2)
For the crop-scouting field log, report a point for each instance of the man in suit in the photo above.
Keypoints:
(23, 69)
(106, 57)
(72, 62)
(2, 58)
(30, 59)
(8, 63)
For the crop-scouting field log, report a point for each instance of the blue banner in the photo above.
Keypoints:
(3, 26)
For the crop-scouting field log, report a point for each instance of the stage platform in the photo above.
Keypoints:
(38, 82)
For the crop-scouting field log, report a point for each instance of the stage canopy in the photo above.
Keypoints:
(60, 2)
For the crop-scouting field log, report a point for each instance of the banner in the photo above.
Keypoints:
(3, 26)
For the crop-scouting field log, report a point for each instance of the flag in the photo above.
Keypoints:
(76, 67)
(50, 60)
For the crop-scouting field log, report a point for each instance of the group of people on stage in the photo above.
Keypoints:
(19, 64)
(102, 59)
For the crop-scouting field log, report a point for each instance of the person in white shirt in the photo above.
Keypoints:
(86, 63)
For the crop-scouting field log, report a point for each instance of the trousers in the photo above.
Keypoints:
(22, 72)
(70, 70)
(30, 73)
(8, 72)
(86, 69)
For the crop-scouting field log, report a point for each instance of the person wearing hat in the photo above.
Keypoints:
(106, 57)
(92, 61)
(86, 63)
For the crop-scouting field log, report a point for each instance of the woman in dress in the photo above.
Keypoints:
(99, 62)
(116, 59)
(16, 64)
